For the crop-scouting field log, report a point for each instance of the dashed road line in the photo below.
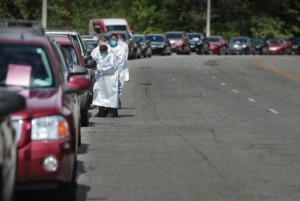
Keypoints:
(223, 83)
(273, 111)
(213, 77)
(251, 100)
(235, 91)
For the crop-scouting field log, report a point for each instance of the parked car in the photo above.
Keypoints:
(90, 40)
(103, 25)
(74, 58)
(180, 42)
(145, 44)
(9, 103)
(279, 46)
(199, 43)
(80, 45)
(159, 44)
(260, 46)
(134, 48)
(48, 130)
(241, 45)
(218, 45)
(295, 41)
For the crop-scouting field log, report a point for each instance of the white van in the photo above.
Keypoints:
(98, 26)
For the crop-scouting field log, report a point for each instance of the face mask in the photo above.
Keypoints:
(113, 43)
(102, 54)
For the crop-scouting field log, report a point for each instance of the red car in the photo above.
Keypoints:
(180, 42)
(218, 45)
(279, 46)
(48, 130)
(74, 58)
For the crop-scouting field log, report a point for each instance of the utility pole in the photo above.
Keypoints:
(208, 18)
(44, 14)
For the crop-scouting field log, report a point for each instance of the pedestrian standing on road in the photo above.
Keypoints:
(96, 51)
(106, 86)
(121, 56)
(125, 46)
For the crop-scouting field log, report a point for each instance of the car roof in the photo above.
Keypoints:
(62, 39)
(61, 31)
(23, 35)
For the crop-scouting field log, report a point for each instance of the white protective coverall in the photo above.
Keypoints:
(106, 85)
(96, 52)
(119, 52)
(125, 73)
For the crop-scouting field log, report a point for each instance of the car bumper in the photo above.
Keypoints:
(236, 51)
(31, 158)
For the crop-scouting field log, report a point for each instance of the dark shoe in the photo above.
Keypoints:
(110, 115)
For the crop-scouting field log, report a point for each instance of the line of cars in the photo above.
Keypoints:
(43, 126)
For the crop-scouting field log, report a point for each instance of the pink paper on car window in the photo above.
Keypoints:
(18, 75)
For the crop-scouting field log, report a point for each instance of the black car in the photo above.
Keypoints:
(199, 43)
(159, 44)
(145, 44)
(9, 103)
(295, 41)
(134, 48)
(241, 45)
(260, 46)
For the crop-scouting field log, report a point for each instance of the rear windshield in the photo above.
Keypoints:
(155, 38)
(174, 35)
(116, 28)
(213, 39)
(275, 41)
(238, 41)
(70, 54)
(26, 66)
(138, 38)
(191, 36)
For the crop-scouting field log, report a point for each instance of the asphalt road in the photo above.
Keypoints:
(198, 128)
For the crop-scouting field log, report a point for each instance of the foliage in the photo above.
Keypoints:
(254, 18)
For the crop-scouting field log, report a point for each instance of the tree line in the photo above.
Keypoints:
(229, 18)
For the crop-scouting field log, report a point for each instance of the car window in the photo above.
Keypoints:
(213, 39)
(116, 28)
(155, 38)
(238, 40)
(70, 54)
(64, 66)
(30, 65)
(174, 35)
(139, 38)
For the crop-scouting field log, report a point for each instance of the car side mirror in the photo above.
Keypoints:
(89, 51)
(86, 58)
(78, 84)
(11, 102)
(91, 63)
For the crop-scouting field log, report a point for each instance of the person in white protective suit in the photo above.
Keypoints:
(106, 86)
(121, 56)
(96, 51)
(125, 46)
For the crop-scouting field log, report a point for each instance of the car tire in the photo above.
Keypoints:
(85, 115)
(201, 50)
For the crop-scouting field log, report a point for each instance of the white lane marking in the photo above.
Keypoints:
(213, 77)
(193, 64)
(198, 67)
(251, 100)
(235, 91)
(173, 80)
(223, 83)
(273, 111)
(206, 72)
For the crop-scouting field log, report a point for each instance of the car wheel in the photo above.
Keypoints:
(85, 115)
